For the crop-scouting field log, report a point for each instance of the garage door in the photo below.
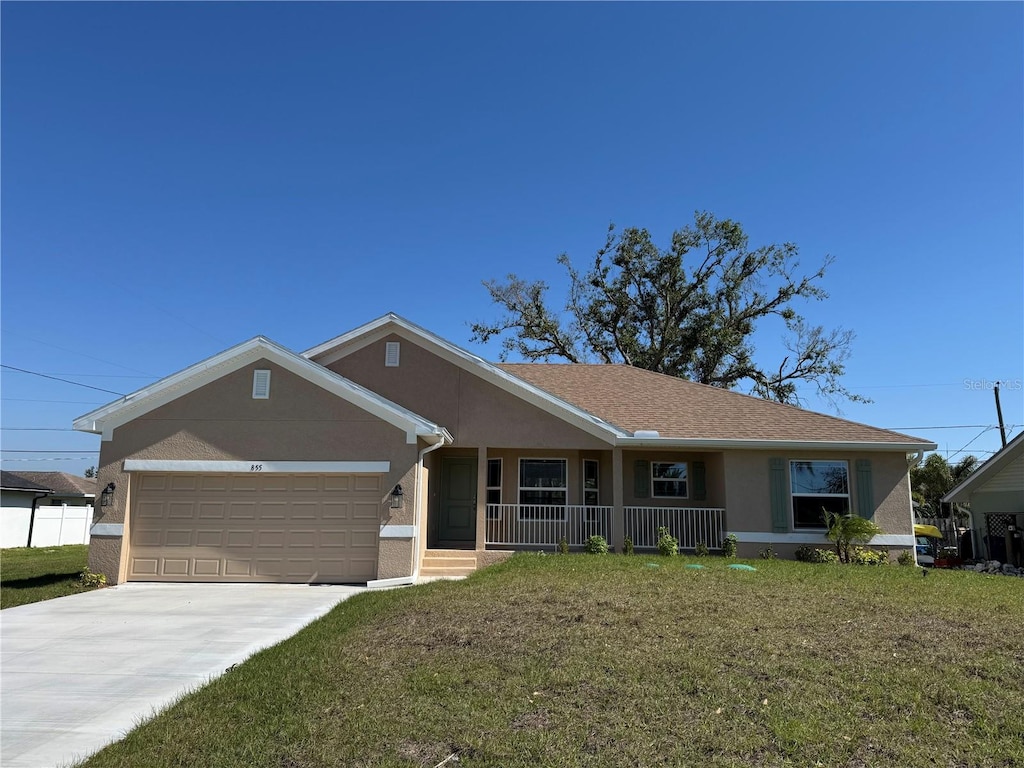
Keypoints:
(254, 527)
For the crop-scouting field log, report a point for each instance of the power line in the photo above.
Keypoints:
(37, 429)
(66, 381)
(99, 375)
(82, 354)
(21, 450)
(49, 458)
(958, 426)
(34, 400)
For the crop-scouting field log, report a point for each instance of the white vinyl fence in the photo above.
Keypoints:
(53, 527)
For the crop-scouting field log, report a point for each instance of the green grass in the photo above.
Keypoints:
(609, 661)
(28, 575)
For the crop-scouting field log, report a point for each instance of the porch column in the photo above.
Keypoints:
(481, 498)
(618, 512)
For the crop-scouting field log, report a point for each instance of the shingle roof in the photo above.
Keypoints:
(636, 399)
(61, 483)
(13, 481)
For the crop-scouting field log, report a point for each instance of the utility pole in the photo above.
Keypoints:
(999, 413)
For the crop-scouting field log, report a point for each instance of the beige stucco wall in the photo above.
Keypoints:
(748, 501)
(477, 413)
(221, 421)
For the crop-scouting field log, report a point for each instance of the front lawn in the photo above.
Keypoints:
(28, 575)
(626, 661)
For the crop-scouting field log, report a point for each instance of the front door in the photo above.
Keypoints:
(457, 521)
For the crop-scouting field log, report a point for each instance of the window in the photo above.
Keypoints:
(817, 486)
(392, 350)
(591, 483)
(261, 385)
(493, 487)
(668, 479)
(542, 483)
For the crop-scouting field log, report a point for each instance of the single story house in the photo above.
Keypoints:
(389, 453)
(995, 492)
(45, 508)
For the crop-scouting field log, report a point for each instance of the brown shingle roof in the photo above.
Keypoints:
(13, 481)
(636, 399)
(61, 483)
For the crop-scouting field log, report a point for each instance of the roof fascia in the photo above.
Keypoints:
(766, 445)
(105, 419)
(329, 352)
(986, 471)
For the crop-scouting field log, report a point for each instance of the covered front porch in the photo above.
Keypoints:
(533, 499)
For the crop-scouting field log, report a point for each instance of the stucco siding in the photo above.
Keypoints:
(222, 421)
(476, 412)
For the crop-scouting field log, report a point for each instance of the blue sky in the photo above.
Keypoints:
(177, 178)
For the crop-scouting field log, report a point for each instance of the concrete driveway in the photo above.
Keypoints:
(79, 672)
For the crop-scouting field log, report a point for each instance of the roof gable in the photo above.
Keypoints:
(341, 346)
(63, 483)
(1008, 461)
(13, 481)
(107, 418)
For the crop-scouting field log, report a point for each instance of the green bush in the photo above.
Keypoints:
(865, 556)
(563, 546)
(596, 545)
(804, 553)
(627, 546)
(701, 550)
(846, 530)
(730, 545)
(767, 553)
(90, 579)
(906, 557)
(667, 544)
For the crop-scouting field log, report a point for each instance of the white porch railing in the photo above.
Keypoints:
(689, 525)
(546, 524)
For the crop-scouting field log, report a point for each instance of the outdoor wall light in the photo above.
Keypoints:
(107, 495)
(396, 497)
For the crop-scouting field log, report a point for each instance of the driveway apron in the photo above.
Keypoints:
(77, 673)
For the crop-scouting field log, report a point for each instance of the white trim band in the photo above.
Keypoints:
(765, 537)
(398, 531)
(107, 529)
(257, 467)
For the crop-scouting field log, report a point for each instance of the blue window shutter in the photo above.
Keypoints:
(777, 491)
(865, 490)
(700, 485)
(642, 479)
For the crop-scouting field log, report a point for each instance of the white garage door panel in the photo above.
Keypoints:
(288, 528)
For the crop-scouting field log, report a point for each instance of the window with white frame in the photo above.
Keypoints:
(493, 487)
(668, 479)
(817, 487)
(543, 490)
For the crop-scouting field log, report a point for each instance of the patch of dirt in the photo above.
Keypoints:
(537, 720)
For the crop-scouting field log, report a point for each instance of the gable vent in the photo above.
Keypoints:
(391, 354)
(261, 385)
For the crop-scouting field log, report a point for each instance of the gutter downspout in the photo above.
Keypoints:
(417, 516)
(32, 515)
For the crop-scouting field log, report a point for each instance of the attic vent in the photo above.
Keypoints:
(391, 354)
(649, 433)
(261, 385)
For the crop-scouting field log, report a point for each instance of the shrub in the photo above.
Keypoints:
(627, 546)
(89, 579)
(767, 553)
(730, 545)
(667, 544)
(906, 557)
(563, 546)
(847, 529)
(804, 553)
(596, 545)
(865, 556)
(701, 550)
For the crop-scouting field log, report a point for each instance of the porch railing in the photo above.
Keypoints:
(546, 524)
(689, 525)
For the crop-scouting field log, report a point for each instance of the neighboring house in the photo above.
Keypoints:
(46, 508)
(389, 453)
(995, 492)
